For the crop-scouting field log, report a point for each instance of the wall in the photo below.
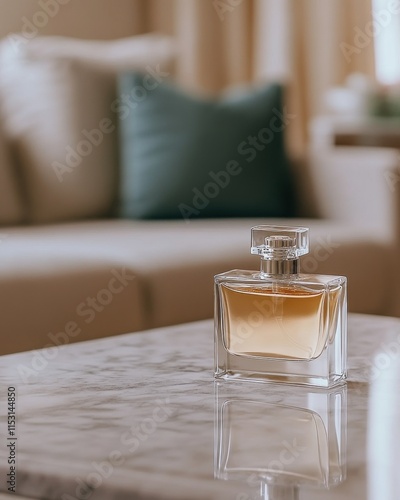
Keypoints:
(102, 19)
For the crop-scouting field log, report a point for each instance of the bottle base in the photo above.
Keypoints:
(274, 378)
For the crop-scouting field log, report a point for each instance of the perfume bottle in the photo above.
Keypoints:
(277, 324)
(280, 442)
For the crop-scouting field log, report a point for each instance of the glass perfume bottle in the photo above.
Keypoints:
(280, 442)
(278, 324)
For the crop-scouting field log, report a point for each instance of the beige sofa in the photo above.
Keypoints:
(70, 272)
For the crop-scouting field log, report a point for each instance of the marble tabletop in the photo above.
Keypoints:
(139, 416)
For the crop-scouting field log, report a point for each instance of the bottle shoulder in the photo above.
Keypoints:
(241, 276)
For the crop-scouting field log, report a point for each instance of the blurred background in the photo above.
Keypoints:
(310, 45)
(75, 174)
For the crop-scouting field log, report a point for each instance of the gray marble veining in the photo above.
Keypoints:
(133, 416)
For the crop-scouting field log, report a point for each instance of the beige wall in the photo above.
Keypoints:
(103, 19)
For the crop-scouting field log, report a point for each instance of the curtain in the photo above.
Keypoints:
(306, 44)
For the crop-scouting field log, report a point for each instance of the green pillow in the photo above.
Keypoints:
(185, 157)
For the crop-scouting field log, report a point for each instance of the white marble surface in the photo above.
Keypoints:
(142, 405)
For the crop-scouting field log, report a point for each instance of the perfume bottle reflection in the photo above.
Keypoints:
(280, 440)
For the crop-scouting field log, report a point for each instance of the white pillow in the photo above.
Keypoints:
(57, 96)
(11, 206)
(110, 55)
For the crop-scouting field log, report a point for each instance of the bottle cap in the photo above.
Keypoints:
(279, 242)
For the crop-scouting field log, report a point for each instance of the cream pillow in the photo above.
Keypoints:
(59, 101)
(110, 55)
(11, 207)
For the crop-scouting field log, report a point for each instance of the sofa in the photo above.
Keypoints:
(71, 271)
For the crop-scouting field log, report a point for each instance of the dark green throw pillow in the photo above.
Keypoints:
(184, 157)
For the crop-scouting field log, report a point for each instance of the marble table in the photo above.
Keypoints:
(139, 416)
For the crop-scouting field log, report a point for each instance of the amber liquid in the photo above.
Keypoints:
(284, 322)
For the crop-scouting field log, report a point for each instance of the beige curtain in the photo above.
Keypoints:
(298, 42)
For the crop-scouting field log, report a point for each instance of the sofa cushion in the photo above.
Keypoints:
(11, 204)
(185, 157)
(48, 272)
(55, 291)
(60, 111)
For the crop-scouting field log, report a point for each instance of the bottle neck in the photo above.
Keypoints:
(279, 492)
(273, 267)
